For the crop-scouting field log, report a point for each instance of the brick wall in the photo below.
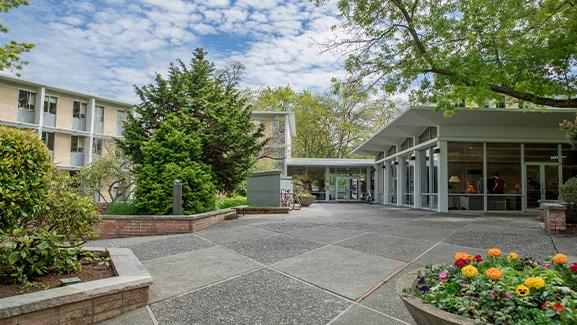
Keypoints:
(87, 311)
(127, 226)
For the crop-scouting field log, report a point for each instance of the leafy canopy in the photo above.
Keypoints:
(10, 53)
(445, 52)
(217, 114)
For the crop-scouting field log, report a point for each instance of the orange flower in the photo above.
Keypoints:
(494, 252)
(494, 273)
(559, 259)
(461, 255)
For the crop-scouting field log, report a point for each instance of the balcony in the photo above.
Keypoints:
(49, 119)
(79, 124)
(26, 115)
(77, 159)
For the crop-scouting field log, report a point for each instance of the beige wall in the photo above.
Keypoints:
(8, 103)
(110, 121)
(64, 113)
(62, 149)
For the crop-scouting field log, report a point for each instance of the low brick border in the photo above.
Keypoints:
(554, 217)
(127, 226)
(87, 302)
(262, 210)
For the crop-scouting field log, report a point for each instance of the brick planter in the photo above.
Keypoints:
(127, 226)
(554, 217)
(84, 303)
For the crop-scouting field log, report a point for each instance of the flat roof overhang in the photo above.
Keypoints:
(329, 162)
(414, 120)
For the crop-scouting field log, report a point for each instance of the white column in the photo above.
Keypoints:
(327, 176)
(417, 179)
(386, 182)
(90, 124)
(39, 112)
(400, 179)
(368, 177)
(443, 178)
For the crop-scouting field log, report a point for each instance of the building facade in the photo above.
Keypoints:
(77, 128)
(483, 159)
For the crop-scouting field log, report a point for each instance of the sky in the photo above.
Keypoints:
(104, 47)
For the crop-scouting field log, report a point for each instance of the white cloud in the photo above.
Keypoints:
(107, 49)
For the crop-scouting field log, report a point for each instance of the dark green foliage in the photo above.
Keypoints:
(207, 108)
(24, 171)
(122, 209)
(172, 154)
(44, 217)
(570, 129)
(568, 192)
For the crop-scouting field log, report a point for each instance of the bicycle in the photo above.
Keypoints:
(290, 200)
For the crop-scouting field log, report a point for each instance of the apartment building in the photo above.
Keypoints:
(76, 127)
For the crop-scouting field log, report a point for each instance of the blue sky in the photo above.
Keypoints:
(104, 47)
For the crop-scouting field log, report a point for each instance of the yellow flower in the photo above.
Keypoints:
(559, 259)
(461, 255)
(522, 290)
(512, 256)
(494, 273)
(469, 271)
(494, 252)
(536, 282)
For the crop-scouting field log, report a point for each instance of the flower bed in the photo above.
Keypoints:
(502, 289)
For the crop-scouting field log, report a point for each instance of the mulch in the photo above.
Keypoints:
(90, 272)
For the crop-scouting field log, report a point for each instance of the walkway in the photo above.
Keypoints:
(321, 265)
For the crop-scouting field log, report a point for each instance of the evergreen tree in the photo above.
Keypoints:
(206, 106)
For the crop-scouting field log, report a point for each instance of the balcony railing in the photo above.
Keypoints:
(26, 116)
(49, 119)
(79, 124)
(76, 159)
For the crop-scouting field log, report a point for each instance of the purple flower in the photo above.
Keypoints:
(424, 289)
(421, 281)
(443, 276)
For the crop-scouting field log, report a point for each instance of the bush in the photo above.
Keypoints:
(47, 240)
(24, 172)
(568, 192)
(122, 209)
(230, 202)
(172, 154)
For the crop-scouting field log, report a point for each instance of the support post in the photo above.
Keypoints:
(177, 197)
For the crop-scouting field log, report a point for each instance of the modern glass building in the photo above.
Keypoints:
(485, 159)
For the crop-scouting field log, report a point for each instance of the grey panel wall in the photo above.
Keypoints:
(263, 189)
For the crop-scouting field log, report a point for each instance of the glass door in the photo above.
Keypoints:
(342, 188)
(542, 181)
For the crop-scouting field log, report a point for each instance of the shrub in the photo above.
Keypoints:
(47, 240)
(24, 171)
(122, 209)
(172, 154)
(568, 192)
(230, 202)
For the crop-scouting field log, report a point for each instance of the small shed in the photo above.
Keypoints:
(264, 188)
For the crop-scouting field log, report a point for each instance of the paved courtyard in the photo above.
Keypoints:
(327, 264)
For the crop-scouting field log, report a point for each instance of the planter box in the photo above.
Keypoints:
(87, 302)
(126, 226)
(307, 201)
(425, 314)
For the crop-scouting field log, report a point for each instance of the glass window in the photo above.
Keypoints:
(428, 134)
(97, 146)
(26, 100)
(541, 152)
(77, 144)
(569, 161)
(79, 110)
(50, 103)
(408, 143)
(504, 176)
(392, 150)
(100, 113)
(48, 139)
(393, 181)
(465, 172)
(409, 181)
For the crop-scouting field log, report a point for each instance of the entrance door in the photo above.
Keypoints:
(542, 181)
(342, 188)
(354, 188)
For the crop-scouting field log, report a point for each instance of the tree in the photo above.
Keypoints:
(280, 99)
(174, 153)
(445, 52)
(111, 177)
(208, 107)
(10, 53)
